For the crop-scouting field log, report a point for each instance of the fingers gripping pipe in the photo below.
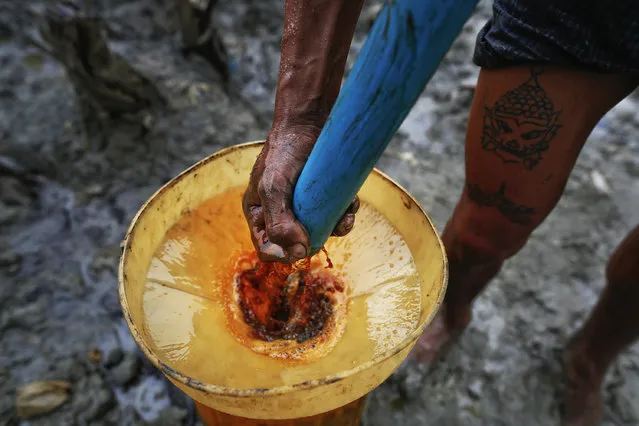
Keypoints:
(405, 46)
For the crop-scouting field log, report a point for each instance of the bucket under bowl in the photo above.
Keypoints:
(230, 168)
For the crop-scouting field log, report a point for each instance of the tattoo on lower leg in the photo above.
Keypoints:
(518, 128)
(520, 214)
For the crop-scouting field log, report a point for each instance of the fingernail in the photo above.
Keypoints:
(298, 251)
(272, 251)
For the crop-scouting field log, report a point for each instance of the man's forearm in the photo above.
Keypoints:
(315, 45)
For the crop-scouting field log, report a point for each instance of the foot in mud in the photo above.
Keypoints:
(583, 403)
(438, 338)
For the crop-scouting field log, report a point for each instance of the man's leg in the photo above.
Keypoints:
(527, 126)
(611, 327)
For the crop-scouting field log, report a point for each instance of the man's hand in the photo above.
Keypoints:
(267, 203)
(315, 45)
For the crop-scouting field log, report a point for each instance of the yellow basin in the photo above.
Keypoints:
(230, 168)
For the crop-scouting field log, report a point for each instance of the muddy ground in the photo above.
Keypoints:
(66, 204)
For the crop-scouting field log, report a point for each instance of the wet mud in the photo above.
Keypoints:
(66, 201)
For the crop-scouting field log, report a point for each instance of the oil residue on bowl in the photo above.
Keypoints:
(282, 301)
(192, 315)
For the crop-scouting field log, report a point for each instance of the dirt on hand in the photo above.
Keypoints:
(66, 202)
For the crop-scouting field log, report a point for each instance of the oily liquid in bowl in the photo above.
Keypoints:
(186, 298)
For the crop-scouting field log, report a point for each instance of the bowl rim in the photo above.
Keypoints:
(277, 390)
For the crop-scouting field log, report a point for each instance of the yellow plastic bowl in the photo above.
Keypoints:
(230, 168)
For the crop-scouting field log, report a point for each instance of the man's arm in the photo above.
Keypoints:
(315, 46)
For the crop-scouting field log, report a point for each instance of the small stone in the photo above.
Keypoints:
(469, 83)
(126, 371)
(37, 398)
(148, 121)
(113, 357)
(94, 189)
(599, 181)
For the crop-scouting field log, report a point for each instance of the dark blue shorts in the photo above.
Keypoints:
(598, 35)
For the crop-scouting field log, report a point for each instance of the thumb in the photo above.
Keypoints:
(276, 193)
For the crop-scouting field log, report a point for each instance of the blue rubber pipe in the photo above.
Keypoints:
(402, 52)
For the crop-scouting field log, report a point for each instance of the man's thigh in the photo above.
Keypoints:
(526, 129)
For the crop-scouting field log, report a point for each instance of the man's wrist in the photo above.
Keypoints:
(310, 119)
(315, 45)
(294, 134)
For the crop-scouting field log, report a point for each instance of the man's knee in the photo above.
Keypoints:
(623, 265)
(483, 235)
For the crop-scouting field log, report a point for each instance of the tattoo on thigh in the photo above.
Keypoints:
(520, 214)
(518, 128)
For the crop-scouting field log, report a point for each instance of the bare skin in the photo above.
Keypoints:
(517, 163)
(315, 44)
(527, 126)
(608, 331)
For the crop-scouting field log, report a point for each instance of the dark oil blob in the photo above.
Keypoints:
(285, 302)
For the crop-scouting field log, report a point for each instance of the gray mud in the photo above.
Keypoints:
(64, 208)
